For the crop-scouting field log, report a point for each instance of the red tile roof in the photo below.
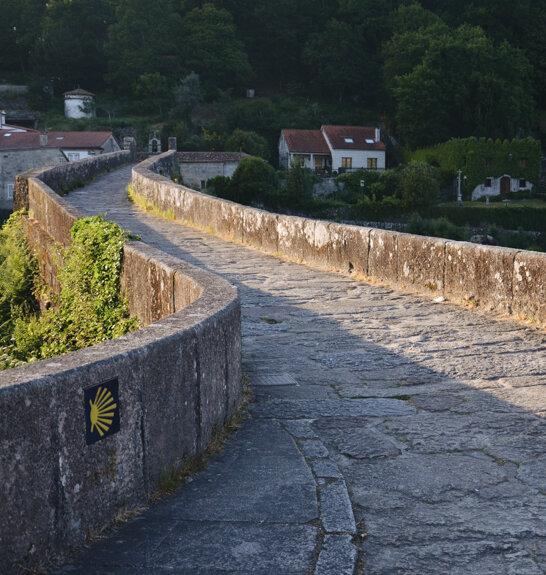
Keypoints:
(210, 157)
(306, 141)
(59, 140)
(337, 136)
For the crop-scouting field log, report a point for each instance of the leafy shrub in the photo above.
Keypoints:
(17, 276)
(219, 186)
(418, 185)
(372, 210)
(299, 187)
(90, 307)
(249, 142)
(253, 181)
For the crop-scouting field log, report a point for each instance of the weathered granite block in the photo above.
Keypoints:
(260, 230)
(421, 263)
(383, 255)
(482, 274)
(529, 284)
(293, 243)
(348, 248)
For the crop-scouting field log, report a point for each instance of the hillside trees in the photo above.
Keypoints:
(447, 83)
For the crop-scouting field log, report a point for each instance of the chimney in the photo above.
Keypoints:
(377, 134)
(2, 118)
(43, 139)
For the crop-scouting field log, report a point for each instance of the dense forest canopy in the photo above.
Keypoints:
(433, 70)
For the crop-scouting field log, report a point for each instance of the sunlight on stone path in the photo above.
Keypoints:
(389, 435)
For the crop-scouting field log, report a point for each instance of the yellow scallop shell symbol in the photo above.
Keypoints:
(102, 411)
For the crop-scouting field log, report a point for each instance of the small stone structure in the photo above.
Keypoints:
(79, 104)
(154, 144)
(179, 379)
(502, 280)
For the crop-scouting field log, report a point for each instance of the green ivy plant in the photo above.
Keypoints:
(90, 307)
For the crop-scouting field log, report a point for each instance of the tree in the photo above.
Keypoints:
(187, 94)
(253, 180)
(299, 186)
(249, 142)
(145, 38)
(212, 49)
(460, 84)
(151, 92)
(19, 33)
(418, 185)
(71, 54)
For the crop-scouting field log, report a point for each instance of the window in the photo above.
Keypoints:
(523, 184)
(372, 163)
(10, 191)
(346, 162)
(349, 141)
(203, 184)
(73, 156)
(487, 183)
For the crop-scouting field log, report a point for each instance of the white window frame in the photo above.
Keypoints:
(73, 156)
(9, 191)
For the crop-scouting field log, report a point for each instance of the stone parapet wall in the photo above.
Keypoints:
(179, 380)
(501, 280)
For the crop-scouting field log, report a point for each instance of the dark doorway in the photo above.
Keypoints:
(505, 185)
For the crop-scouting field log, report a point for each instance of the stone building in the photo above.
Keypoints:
(500, 186)
(333, 149)
(25, 150)
(79, 104)
(199, 167)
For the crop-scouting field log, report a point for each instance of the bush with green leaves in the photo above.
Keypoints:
(249, 142)
(90, 307)
(419, 185)
(254, 181)
(18, 271)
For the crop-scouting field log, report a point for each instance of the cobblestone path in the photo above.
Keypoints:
(388, 434)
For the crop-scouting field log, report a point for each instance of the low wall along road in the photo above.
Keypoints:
(168, 386)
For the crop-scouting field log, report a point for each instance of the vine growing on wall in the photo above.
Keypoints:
(90, 307)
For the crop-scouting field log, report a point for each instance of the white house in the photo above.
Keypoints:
(25, 150)
(333, 148)
(79, 104)
(198, 167)
(500, 186)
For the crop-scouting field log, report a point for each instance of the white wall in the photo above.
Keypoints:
(495, 190)
(360, 158)
(73, 107)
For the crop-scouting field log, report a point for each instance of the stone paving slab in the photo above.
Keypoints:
(421, 424)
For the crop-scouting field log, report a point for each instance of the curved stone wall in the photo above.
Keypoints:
(503, 280)
(179, 379)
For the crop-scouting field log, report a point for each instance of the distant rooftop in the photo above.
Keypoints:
(61, 140)
(78, 92)
(210, 157)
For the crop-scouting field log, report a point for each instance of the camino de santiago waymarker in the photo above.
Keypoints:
(101, 408)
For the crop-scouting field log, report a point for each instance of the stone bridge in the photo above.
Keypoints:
(389, 433)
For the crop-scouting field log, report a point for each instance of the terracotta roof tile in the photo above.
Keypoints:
(306, 141)
(60, 140)
(340, 136)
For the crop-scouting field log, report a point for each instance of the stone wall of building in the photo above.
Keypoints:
(179, 379)
(13, 162)
(501, 280)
